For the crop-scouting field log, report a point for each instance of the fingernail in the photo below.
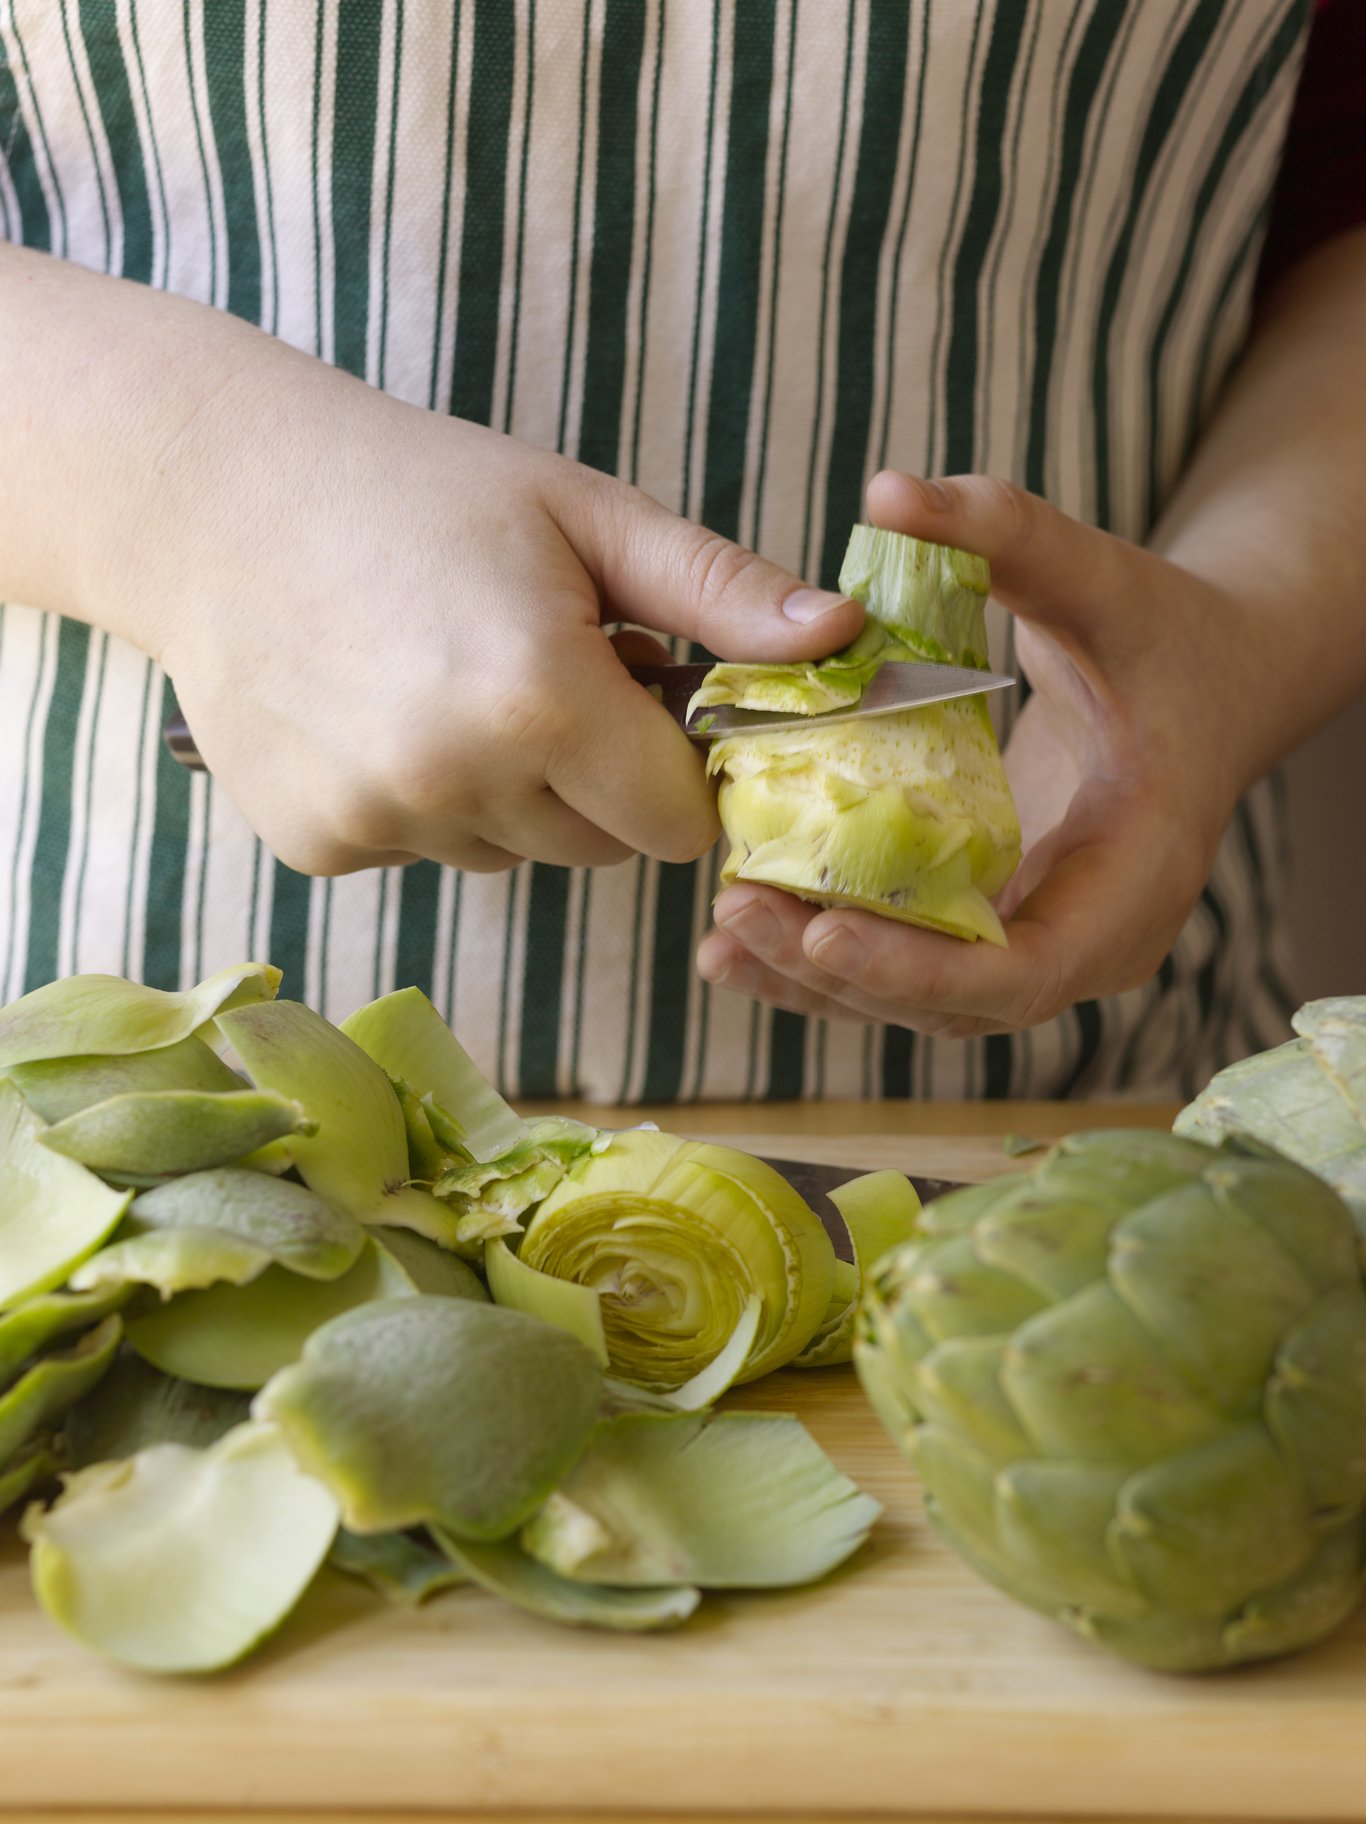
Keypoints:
(753, 924)
(841, 953)
(807, 605)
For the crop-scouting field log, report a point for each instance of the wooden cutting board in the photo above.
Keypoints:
(903, 1686)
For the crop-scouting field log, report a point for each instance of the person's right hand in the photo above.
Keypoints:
(385, 628)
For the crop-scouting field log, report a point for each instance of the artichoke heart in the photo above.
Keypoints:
(907, 814)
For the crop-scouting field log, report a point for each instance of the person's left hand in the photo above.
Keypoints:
(1126, 765)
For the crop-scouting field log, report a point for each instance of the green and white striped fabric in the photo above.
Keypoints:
(741, 252)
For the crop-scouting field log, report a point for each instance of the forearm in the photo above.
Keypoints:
(100, 380)
(1270, 510)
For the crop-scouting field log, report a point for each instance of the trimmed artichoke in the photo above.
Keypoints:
(1134, 1385)
(907, 814)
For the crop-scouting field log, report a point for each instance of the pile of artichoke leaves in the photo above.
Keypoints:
(268, 1300)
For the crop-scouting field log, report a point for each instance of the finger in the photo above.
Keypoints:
(727, 964)
(471, 854)
(1075, 937)
(542, 827)
(679, 578)
(1045, 566)
(624, 764)
(771, 925)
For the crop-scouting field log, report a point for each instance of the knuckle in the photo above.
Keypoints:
(1047, 994)
(312, 852)
(1012, 512)
(714, 568)
(687, 837)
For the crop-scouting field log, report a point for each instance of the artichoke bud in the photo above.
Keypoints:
(907, 814)
(1134, 1385)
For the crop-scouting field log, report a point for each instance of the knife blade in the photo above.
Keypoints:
(900, 685)
(814, 1183)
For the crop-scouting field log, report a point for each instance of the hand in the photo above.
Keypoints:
(385, 628)
(1126, 765)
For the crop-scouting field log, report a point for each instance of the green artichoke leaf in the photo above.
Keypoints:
(28, 1329)
(407, 1038)
(437, 1411)
(1316, 1402)
(134, 1405)
(734, 1500)
(675, 1237)
(1054, 1244)
(429, 1267)
(1336, 1031)
(398, 1565)
(161, 1131)
(35, 1464)
(881, 1211)
(171, 1261)
(1213, 1287)
(287, 1221)
(52, 1384)
(1285, 1098)
(1133, 1410)
(1054, 1526)
(358, 1158)
(504, 1569)
(83, 1015)
(239, 1336)
(957, 1386)
(53, 1212)
(952, 1291)
(1201, 1527)
(55, 1088)
(960, 1498)
(1307, 1606)
(227, 1539)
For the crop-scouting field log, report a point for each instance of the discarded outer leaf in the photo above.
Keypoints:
(181, 1560)
(505, 1570)
(52, 1384)
(30, 1327)
(880, 1211)
(398, 1565)
(407, 1038)
(53, 1212)
(358, 1158)
(437, 1409)
(430, 1268)
(135, 1405)
(734, 1500)
(676, 1237)
(57, 1087)
(103, 1014)
(172, 1260)
(36, 1463)
(562, 1302)
(1017, 1145)
(238, 1336)
(290, 1222)
(174, 1130)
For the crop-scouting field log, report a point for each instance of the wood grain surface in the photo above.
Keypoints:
(902, 1687)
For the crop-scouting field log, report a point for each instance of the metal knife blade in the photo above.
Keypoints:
(814, 1183)
(902, 684)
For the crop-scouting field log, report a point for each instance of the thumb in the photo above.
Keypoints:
(664, 572)
(1047, 568)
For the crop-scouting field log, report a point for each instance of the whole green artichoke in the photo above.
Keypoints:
(1134, 1385)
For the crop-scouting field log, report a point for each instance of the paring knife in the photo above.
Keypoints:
(899, 685)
